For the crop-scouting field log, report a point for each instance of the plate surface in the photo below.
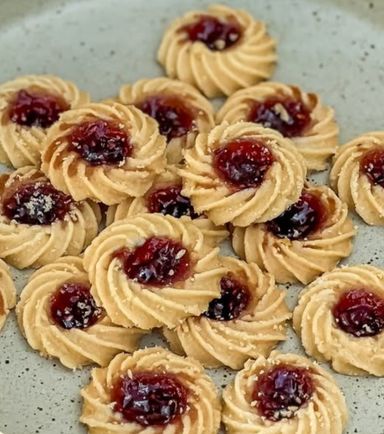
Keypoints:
(332, 47)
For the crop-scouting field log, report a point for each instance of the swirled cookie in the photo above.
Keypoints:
(248, 319)
(29, 105)
(284, 394)
(59, 317)
(7, 293)
(219, 50)
(309, 238)
(340, 318)
(294, 113)
(179, 109)
(39, 224)
(357, 176)
(104, 151)
(242, 173)
(153, 270)
(165, 197)
(151, 391)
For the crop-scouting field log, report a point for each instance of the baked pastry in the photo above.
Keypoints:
(179, 109)
(248, 319)
(219, 50)
(340, 319)
(29, 105)
(151, 391)
(357, 176)
(59, 317)
(104, 151)
(294, 113)
(7, 293)
(242, 173)
(153, 270)
(284, 394)
(39, 224)
(307, 239)
(165, 197)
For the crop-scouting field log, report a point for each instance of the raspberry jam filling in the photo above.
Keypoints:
(360, 313)
(36, 109)
(158, 262)
(100, 142)
(287, 115)
(234, 299)
(149, 398)
(281, 391)
(243, 163)
(301, 219)
(170, 201)
(72, 306)
(216, 34)
(174, 117)
(36, 203)
(372, 165)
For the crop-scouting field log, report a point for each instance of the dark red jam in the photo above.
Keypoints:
(159, 261)
(360, 313)
(36, 203)
(281, 391)
(149, 398)
(243, 163)
(372, 165)
(170, 201)
(216, 34)
(174, 117)
(72, 306)
(36, 109)
(288, 116)
(234, 299)
(100, 142)
(301, 219)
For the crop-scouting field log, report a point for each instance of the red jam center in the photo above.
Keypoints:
(72, 306)
(360, 313)
(288, 116)
(242, 163)
(159, 261)
(234, 299)
(217, 35)
(281, 391)
(100, 142)
(300, 219)
(36, 204)
(372, 165)
(175, 119)
(149, 398)
(170, 201)
(36, 109)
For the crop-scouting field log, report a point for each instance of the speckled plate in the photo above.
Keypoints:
(334, 47)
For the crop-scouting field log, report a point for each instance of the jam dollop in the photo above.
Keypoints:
(150, 398)
(100, 142)
(72, 306)
(360, 313)
(216, 34)
(281, 391)
(36, 108)
(159, 261)
(372, 165)
(287, 115)
(234, 299)
(242, 163)
(174, 117)
(36, 203)
(300, 219)
(169, 201)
